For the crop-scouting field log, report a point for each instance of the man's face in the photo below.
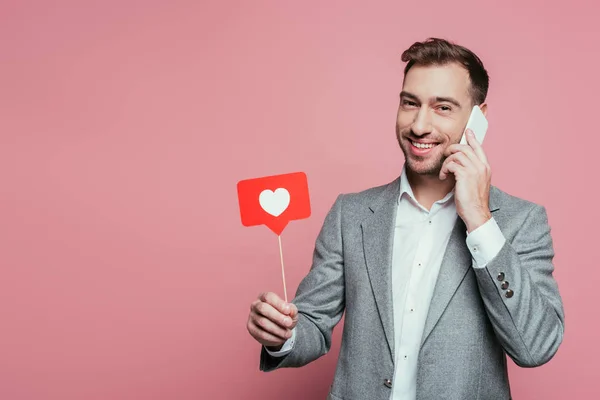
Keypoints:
(435, 105)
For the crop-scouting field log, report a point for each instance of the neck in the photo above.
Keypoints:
(429, 188)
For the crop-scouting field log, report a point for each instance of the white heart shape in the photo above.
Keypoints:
(275, 203)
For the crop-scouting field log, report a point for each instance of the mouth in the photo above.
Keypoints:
(421, 148)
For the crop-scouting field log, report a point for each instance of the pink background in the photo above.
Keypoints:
(125, 272)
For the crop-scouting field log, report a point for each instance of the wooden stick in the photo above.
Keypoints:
(282, 269)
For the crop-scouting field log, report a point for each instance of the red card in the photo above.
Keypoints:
(274, 200)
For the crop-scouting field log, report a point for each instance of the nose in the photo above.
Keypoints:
(422, 123)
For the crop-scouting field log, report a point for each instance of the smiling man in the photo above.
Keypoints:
(440, 274)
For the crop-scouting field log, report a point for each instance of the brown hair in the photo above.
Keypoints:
(436, 51)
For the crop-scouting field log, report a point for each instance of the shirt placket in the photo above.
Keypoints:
(407, 352)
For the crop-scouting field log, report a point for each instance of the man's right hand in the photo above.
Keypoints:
(271, 320)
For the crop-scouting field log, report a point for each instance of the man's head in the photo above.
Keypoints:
(442, 83)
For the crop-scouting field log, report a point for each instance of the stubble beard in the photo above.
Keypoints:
(418, 165)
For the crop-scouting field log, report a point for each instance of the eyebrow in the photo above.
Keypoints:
(437, 99)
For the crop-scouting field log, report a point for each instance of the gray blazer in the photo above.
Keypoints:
(472, 323)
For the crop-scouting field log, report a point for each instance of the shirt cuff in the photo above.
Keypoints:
(485, 243)
(286, 348)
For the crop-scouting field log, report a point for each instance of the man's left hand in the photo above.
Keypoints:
(473, 175)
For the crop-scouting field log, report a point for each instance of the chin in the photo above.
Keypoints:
(428, 166)
(423, 167)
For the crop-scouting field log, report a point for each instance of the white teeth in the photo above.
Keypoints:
(423, 146)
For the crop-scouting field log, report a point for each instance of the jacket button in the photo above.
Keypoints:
(500, 276)
(504, 285)
(509, 293)
(388, 383)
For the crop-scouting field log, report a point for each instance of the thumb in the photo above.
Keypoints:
(293, 312)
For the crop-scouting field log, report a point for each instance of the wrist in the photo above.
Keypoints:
(274, 348)
(477, 220)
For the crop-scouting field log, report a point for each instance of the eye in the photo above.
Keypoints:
(445, 108)
(408, 103)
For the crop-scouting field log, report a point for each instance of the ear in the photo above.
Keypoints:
(483, 107)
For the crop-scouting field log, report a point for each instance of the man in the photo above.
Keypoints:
(440, 274)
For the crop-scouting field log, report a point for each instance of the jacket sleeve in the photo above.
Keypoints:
(521, 296)
(319, 298)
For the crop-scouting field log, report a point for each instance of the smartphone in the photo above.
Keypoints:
(477, 123)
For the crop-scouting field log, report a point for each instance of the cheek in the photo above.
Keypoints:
(403, 120)
(450, 130)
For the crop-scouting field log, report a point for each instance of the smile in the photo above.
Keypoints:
(420, 149)
(423, 145)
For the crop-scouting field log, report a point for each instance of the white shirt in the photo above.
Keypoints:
(420, 240)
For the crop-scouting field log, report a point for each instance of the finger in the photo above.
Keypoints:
(263, 337)
(476, 161)
(462, 159)
(455, 168)
(293, 311)
(269, 326)
(293, 316)
(462, 148)
(456, 147)
(275, 301)
(450, 168)
(268, 311)
(459, 158)
(444, 169)
(477, 147)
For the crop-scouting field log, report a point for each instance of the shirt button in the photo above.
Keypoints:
(509, 293)
(504, 285)
(388, 383)
(500, 276)
(475, 249)
(429, 222)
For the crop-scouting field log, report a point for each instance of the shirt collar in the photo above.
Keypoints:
(405, 188)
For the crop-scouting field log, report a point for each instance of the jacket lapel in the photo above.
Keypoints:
(378, 240)
(456, 263)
